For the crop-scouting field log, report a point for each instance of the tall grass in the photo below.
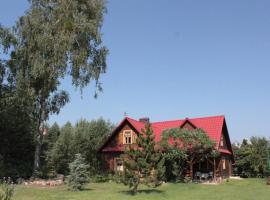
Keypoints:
(6, 189)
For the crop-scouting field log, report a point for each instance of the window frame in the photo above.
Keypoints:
(119, 168)
(224, 164)
(127, 134)
(222, 141)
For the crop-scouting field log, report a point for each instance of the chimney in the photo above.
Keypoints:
(144, 120)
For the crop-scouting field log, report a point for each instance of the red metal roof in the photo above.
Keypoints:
(211, 125)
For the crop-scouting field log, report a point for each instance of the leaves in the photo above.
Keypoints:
(182, 146)
(58, 101)
(144, 163)
(54, 39)
(251, 157)
(85, 138)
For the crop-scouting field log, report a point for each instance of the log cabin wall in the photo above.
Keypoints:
(109, 161)
(224, 168)
(118, 139)
(109, 158)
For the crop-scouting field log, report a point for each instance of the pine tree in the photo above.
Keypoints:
(50, 140)
(63, 151)
(144, 163)
(78, 176)
(88, 137)
(268, 167)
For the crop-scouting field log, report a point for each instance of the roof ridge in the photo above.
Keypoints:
(128, 118)
(187, 118)
(167, 121)
(207, 117)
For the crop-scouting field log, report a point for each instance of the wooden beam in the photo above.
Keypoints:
(209, 160)
(214, 168)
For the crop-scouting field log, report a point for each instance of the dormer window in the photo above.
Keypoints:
(127, 137)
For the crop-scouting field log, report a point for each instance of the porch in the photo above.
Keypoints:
(211, 170)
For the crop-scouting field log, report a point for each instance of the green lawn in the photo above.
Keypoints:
(248, 189)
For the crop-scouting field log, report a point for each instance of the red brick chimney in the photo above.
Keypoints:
(144, 120)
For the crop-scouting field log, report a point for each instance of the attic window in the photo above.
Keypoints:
(222, 141)
(127, 137)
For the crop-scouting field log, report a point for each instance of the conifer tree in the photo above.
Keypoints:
(268, 166)
(144, 163)
(63, 151)
(50, 140)
(268, 163)
(78, 176)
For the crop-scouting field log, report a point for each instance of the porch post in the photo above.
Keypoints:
(214, 168)
(191, 170)
(230, 168)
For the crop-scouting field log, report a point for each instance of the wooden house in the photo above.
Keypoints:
(215, 127)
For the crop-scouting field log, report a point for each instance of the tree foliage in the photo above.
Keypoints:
(268, 162)
(63, 151)
(54, 38)
(51, 136)
(84, 138)
(144, 163)
(79, 175)
(16, 127)
(251, 157)
(89, 136)
(183, 148)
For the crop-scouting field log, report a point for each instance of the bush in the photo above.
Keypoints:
(268, 181)
(79, 175)
(6, 189)
(117, 177)
(100, 178)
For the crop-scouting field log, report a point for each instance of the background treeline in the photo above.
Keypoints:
(252, 157)
(17, 127)
(59, 147)
(62, 144)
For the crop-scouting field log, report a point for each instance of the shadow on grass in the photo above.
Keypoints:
(82, 190)
(146, 191)
(87, 189)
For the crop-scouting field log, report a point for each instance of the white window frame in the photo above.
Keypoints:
(222, 141)
(224, 164)
(119, 168)
(129, 132)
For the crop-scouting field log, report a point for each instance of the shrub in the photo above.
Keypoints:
(6, 189)
(79, 175)
(99, 178)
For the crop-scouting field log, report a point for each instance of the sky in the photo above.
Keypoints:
(172, 59)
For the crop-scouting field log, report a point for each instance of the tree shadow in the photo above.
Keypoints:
(81, 190)
(144, 191)
(87, 189)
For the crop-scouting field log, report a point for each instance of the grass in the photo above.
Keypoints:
(248, 189)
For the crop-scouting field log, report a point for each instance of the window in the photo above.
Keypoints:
(119, 165)
(224, 164)
(222, 141)
(127, 137)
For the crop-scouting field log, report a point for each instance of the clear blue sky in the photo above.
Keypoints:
(176, 59)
